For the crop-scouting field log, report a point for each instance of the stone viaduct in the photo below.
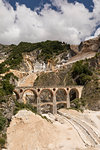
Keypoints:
(68, 91)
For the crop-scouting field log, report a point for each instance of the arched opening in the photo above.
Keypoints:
(15, 95)
(61, 95)
(73, 94)
(21, 90)
(30, 97)
(46, 95)
(61, 105)
(46, 108)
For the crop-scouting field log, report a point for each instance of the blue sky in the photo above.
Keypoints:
(35, 3)
(39, 20)
(87, 3)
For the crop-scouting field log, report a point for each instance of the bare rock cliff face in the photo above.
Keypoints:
(31, 63)
(92, 45)
(29, 60)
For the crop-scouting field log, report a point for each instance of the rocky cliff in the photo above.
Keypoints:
(92, 45)
(45, 56)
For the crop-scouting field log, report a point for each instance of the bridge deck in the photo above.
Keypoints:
(45, 87)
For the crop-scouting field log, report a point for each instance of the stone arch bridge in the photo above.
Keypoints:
(56, 100)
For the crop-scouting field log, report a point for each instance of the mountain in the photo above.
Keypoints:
(49, 63)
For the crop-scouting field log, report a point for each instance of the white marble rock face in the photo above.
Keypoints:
(38, 67)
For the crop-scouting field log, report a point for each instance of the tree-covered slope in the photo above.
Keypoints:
(46, 50)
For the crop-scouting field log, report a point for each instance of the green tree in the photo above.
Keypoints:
(81, 72)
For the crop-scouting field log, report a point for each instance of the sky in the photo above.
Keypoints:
(71, 21)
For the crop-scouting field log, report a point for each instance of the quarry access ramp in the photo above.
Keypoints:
(28, 80)
(78, 57)
(89, 136)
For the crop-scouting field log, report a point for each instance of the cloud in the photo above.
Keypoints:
(72, 23)
(97, 33)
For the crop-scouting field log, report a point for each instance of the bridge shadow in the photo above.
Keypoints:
(61, 105)
(30, 97)
(46, 95)
(73, 94)
(47, 108)
(61, 95)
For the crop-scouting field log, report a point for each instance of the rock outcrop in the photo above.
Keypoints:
(92, 45)
(28, 131)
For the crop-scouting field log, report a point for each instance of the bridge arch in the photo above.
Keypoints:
(46, 95)
(29, 96)
(61, 95)
(73, 94)
(16, 95)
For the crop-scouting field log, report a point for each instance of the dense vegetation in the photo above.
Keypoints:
(2, 126)
(2, 122)
(6, 88)
(52, 48)
(48, 50)
(81, 72)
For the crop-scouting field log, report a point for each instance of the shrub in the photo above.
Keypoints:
(2, 122)
(2, 142)
(2, 100)
(20, 106)
(9, 75)
(3, 69)
(2, 92)
(78, 104)
(81, 73)
(7, 87)
(82, 79)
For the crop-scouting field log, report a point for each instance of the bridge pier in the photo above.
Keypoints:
(38, 105)
(54, 104)
(68, 100)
